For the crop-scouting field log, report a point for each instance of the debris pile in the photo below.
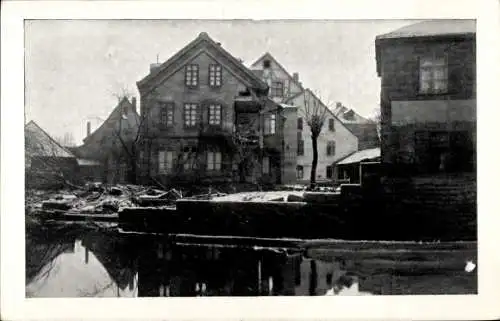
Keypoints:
(97, 198)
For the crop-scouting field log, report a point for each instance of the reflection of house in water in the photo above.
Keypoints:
(209, 271)
(112, 253)
(41, 254)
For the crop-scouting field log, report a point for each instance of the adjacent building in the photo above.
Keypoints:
(208, 118)
(428, 114)
(428, 97)
(335, 141)
(47, 163)
(109, 154)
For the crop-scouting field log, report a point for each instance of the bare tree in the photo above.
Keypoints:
(246, 141)
(314, 113)
(67, 140)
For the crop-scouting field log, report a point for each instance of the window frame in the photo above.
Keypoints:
(188, 80)
(191, 124)
(165, 108)
(266, 165)
(330, 148)
(274, 88)
(300, 147)
(299, 169)
(331, 124)
(213, 164)
(300, 123)
(432, 69)
(189, 163)
(168, 166)
(270, 124)
(214, 106)
(213, 69)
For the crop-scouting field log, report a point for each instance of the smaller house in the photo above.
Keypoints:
(109, 153)
(47, 163)
(364, 129)
(349, 169)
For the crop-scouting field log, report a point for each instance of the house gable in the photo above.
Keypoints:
(299, 99)
(39, 143)
(101, 140)
(292, 87)
(202, 44)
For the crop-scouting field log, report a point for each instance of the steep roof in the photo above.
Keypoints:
(203, 39)
(39, 143)
(322, 104)
(99, 140)
(429, 28)
(270, 57)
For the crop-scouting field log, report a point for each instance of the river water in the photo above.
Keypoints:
(70, 261)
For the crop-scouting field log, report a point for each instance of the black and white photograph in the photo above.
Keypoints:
(251, 158)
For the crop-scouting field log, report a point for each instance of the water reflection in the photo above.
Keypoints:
(97, 264)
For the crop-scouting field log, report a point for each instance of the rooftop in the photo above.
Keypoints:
(362, 155)
(429, 28)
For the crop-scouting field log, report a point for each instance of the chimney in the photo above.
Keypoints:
(88, 128)
(296, 76)
(154, 67)
(339, 104)
(134, 104)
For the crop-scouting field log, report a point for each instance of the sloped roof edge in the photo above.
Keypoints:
(203, 36)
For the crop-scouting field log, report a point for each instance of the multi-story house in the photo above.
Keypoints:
(428, 109)
(335, 141)
(208, 118)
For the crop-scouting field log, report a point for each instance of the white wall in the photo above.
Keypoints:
(345, 142)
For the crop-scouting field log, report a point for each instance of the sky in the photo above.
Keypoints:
(73, 68)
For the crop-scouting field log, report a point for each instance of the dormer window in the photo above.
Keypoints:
(266, 64)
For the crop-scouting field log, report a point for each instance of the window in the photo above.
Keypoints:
(265, 165)
(214, 114)
(277, 89)
(167, 114)
(433, 75)
(266, 63)
(442, 151)
(330, 148)
(300, 147)
(329, 172)
(165, 161)
(214, 161)
(215, 75)
(270, 124)
(300, 172)
(190, 115)
(189, 158)
(331, 124)
(192, 75)
(300, 123)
